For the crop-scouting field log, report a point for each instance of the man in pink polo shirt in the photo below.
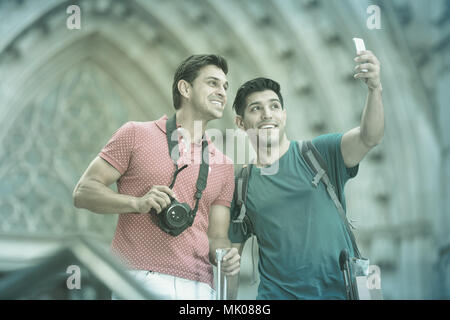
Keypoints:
(137, 158)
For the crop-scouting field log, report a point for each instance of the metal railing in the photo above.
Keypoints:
(46, 273)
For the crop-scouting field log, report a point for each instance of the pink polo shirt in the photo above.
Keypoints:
(139, 151)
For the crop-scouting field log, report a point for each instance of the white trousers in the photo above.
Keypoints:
(167, 287)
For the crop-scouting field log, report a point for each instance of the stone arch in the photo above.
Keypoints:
(129, 50)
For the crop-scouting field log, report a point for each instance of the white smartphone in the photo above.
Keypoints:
(359, 45)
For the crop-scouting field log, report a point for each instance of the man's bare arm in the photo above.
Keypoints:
(357, 142)
(92, 192)
(219, 221)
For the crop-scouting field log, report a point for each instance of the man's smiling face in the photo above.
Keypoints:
(265, 116)
(209, 92)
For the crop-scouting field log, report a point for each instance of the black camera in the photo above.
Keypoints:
(175, 218)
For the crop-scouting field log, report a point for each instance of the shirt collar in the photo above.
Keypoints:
(161, 124)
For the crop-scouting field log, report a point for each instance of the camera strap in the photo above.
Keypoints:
(174, 153)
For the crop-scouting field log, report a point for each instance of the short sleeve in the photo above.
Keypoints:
(117, 152)
(329, 146)
(226, 195)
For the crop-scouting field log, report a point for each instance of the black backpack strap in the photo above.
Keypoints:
(241, 185)
(316, 163)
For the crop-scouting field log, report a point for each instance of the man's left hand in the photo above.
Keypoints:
(368, 61)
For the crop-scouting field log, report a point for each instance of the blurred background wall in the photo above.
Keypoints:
(63, 92)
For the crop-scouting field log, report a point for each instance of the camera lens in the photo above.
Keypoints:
(177, 216)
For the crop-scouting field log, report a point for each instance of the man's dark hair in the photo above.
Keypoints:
(255, 85)
(188, 71)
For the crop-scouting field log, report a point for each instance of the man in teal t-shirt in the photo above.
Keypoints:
(298, 228)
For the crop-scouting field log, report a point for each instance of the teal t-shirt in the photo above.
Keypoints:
(297, 225)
